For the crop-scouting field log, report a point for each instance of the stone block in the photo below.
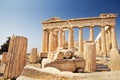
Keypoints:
(115, 59)
(62, 65)
(43, 54)
(51, 55)
(79, 63)
(64, 54)
(68, 54)
(59, 55)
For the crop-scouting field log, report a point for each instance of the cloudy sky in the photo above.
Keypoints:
(23, 17)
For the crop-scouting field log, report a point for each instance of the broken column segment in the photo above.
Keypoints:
(16, 57)
(90, 56)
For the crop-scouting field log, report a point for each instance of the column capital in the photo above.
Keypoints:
(103, 26)
(112, 26)
(70, 28)
(91, 26)
(51, 30)
(80, 27)
(45, 29)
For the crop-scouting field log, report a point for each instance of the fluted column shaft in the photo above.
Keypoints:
(113, 37)
(47, 41)
(103, 41)
(55, 40)
(109, 35)
(51, 41)
(80, 40)
(98, 45)
(91, 38)
(43, 41)
(107, 41)
(71, 39)
(60, 39)
(63, 38)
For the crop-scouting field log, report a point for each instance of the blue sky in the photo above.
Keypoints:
(23, 17)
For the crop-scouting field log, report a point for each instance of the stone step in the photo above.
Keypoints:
(102, 66)
(103, 69)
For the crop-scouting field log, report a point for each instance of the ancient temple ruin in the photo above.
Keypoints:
(54, 33)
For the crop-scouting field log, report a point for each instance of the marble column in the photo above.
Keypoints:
(47, 41)
(103, 41)
(43, 39)
(98, 45)
(109, 35)
(55, 40)
(107, 41)
(80, 40)
(60, 39)
(71, 38)
(91, 38)
(63, 38)
(51, 41)
(113, 37)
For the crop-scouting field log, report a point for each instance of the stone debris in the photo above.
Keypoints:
(64, 64)
(43, 54)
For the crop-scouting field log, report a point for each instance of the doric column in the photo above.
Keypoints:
(63, 38)
(98, 45)
(70, 38)
(109, 35)
(55, 39)
(51, 41)
(80, 40)
(103, 41)
(113, 37)
(107, 41)
(43, 41)
(91, 37)
(47, 41)
(60, 39)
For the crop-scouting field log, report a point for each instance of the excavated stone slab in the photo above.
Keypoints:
(32, 73)
(64, 64)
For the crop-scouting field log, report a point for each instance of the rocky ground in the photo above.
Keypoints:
(34, 72)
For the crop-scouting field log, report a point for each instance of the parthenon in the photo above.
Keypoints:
(54, 32)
